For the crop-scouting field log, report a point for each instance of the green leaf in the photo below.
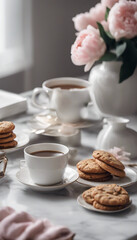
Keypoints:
(134, 40)
(109, 41)
(107, 13)
(120, 49)
(126, 71)
(109, 35)
(108, 56)
(129, 57)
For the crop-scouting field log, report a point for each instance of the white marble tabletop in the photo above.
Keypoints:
(61, 206)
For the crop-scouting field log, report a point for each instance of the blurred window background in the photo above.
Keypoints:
(35, 42)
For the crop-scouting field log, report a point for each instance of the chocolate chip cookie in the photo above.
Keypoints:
(94, 176)
(114, 171)
(110, 195)
(5, 135)
(8, 139)
(107, 208)
(6, 127)
(87, 196)
(89, 166)
(108, 159)
(8, 145)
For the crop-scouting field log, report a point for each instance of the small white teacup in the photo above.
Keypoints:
(66, 95)
(46, 162)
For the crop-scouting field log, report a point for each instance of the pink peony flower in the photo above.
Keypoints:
(96, 14)
(82, 20)
(87, 48)
(109, 3)
(122, 19)
(120, 154)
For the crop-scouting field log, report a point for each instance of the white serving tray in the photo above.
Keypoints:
(11, 104)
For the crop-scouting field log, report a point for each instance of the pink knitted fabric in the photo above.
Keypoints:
(21, 226)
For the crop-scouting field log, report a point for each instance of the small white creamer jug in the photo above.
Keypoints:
(115, 133)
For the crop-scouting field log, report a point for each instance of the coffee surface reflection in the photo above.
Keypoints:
(47, 153)
(67, 86)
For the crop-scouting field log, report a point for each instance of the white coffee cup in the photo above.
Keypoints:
(67, 103)
(46, 170)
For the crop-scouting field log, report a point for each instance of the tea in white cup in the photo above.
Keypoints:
(67, 96)
(46, 162)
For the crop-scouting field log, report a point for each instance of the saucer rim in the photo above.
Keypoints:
(61, 135)
(91, 208)
(89, 122)
(48, 187)
(86, 183)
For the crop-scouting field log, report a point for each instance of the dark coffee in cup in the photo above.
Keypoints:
(47, 153)
(67, 86)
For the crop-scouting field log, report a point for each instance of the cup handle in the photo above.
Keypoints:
(90, 104)
(34, 102)
(72, 153)
(4, 160)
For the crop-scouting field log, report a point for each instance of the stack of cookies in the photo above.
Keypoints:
(101, 168)
(89, 170)
(109, 197)
(109, 163)
(6, 135)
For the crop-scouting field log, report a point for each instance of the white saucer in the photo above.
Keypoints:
(40, 124)
(128, 180)
(22, 140)
(50, 130)
(84, 204)
(23, 176)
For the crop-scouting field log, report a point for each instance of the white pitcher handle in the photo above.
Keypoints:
(34, 102)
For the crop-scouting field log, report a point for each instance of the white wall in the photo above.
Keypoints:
(53, 35)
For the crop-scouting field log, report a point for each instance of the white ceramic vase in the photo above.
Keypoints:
(110, 97)
(115, 133)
